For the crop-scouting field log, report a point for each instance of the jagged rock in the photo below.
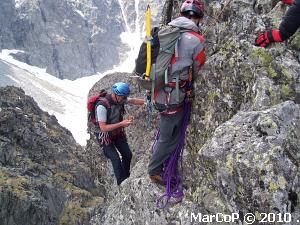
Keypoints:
(248, 166)
(250, 163)
(43, 177)
(6, 155)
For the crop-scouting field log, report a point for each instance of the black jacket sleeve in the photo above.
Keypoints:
(291, 21)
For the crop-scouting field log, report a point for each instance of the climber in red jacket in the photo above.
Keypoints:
(289, 25)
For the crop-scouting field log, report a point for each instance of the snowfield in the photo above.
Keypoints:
(65, 99)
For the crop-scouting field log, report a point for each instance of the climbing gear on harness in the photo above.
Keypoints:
(189, 87)
(172, 111)
(106, 138)
(183, 85)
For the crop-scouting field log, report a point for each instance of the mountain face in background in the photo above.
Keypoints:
(68, 37)
(65, 37)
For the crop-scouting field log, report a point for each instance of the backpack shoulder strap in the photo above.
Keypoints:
(105, 102)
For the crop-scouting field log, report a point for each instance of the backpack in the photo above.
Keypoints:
(164, 46)
(92, 103)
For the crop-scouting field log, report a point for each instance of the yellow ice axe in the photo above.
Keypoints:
(148, 38)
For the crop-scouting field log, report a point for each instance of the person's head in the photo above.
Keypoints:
(120, 91)
(192, 9)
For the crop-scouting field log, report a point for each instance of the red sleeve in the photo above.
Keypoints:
(200, 58)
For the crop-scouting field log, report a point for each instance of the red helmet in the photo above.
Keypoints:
(192, 7)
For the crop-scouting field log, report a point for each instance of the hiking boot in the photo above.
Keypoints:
(157, 179)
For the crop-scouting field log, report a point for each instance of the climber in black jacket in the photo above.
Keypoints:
(289, 25)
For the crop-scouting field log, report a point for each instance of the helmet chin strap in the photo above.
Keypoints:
(115, 98)
(118, 102)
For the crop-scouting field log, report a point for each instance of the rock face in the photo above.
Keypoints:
(242, 148)
(135, 13)
(70, 38)
(249, 166)
(253, 160)
(44, 179)
(7, 16)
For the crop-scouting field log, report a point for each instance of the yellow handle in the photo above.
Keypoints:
(148, 36)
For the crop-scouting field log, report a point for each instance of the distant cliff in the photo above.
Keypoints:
(69, 38)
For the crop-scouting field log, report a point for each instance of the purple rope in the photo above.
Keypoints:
(172, 175)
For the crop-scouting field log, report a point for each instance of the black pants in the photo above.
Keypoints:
(121, 166)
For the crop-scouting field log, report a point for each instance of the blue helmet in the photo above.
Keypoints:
(121, 89)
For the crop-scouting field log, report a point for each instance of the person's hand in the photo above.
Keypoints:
(267, 37)
(130, 118)
(288, 2)
(126, 123)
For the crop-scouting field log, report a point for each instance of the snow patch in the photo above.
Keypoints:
(18, 3)
(131, 38)
(13, 79)
(80, 13)
(66, 99)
